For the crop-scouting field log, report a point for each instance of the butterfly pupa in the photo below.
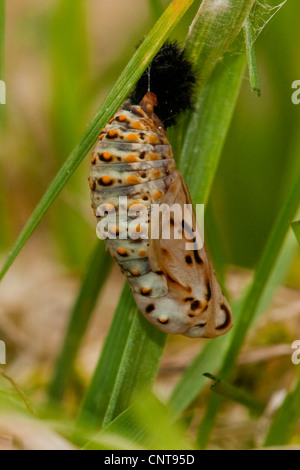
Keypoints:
(175, 289)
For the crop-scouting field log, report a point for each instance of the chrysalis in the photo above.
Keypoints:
(132, 169)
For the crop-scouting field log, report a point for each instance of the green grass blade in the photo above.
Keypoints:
(95, 277)
(251, 58)
(209, 126)
(228, 391)
(138, 367)
(296, 229)
(70, 87)
(128, 362)
(253, 298)
(211, 356)
(119, 92)
(263, 273)
(148, 424)
(285, 420)
(216, 25)
(96, 401)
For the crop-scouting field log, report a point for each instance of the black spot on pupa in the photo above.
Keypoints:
(150, 308)
(188, 259)
(197, 257)
(201, 325)
(188, 299)
(109, 159)
(227, 319)
(208, 294)
(142, 156)
(195, 304)
(104, 182)
(112, 134)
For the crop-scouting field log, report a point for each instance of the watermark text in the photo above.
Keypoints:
(2, 352)
(2, 92)
(160, 221)
(296, 94)
(296, 354)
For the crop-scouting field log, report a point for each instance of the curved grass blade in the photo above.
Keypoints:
(252, 299)
(148, 424)
(96, 275)
(228, 391)
(132, 72)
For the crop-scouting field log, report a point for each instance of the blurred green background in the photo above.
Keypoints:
(60, 59)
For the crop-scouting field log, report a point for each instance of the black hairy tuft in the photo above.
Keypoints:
(172, 79)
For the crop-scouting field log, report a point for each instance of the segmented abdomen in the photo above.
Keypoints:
(132, 158)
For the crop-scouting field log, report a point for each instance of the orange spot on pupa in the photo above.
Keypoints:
(106, 180)
(110, 121)
(156, 173)
(101, 137)
(137, 125)
(135, 272)
(143, 253)
(121, 251)
(131, 138)
(153, 139)
(131, 159)
(158, 194)
(112, 133)
(145, 290)
(106, 156)
(122, 118)
(154, 156)
(93, 160)
(92, 185)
